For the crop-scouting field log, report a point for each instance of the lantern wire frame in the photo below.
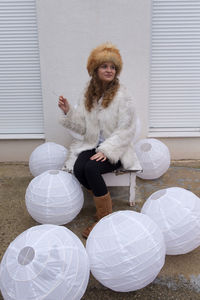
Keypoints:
(45, 262)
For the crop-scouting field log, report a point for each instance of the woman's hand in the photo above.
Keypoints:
(63, 104)
(99, 156)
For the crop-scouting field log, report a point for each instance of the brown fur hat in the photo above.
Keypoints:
(104, 53)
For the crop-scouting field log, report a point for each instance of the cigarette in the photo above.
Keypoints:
(55, 93)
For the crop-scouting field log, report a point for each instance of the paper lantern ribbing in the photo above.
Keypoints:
(54, 197)
(177, 213)
(126, 251)
(47, 156)
(154, 158)
(45, 262)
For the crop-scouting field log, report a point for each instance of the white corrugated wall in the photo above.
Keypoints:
(175, 68)
(21, 111)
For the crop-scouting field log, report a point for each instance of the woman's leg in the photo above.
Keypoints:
(79, 167)
(103, 202)
(93, 170)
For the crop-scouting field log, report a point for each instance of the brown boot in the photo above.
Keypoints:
(95, 217)
(104, 208)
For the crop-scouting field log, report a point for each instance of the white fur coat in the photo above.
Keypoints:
(117, 123)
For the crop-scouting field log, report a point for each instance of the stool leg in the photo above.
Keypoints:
(132, 183)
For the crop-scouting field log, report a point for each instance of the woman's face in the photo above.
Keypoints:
(106, 72)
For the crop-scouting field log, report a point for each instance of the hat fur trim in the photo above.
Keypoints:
(104, 53)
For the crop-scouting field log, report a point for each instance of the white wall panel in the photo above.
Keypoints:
(21, 110)
(175, 68)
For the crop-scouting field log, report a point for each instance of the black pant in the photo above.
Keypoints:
(88, 172)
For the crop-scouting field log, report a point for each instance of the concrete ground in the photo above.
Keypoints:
(180, 277)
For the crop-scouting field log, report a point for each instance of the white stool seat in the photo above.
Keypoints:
(123, 177)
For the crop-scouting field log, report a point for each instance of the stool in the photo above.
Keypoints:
(122, 177)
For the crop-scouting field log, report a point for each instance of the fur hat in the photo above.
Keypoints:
(103, 53)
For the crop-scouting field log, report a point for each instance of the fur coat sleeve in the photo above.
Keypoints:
(75, 119)
(117, 143)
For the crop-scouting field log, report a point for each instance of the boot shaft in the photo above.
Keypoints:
(103, 205)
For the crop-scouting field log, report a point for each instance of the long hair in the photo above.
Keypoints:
(95, 91)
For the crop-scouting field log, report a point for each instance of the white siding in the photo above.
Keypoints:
(175, 68)
(21, 110)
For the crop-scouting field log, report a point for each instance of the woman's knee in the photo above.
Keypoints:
(78, 170)
(91, 168)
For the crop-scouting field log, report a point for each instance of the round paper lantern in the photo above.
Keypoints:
(177, 213)
(44, 262)
(54, 197)
(126, 250)
(47, 156)
(154, 158)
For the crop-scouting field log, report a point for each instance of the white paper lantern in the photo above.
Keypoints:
(54, 197)
(126, 251)
(177, 213)
(47, 156)
(154, 158)
(44, 262)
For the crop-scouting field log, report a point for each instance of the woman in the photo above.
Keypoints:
(105, 118)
